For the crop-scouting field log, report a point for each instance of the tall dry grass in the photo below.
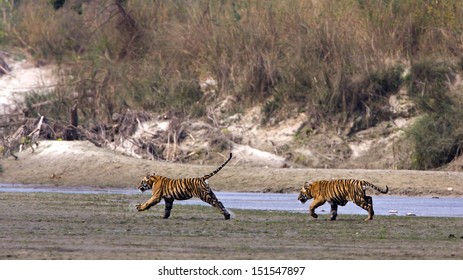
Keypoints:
(306, 54)
(335, 60)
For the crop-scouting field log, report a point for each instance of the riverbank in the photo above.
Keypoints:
(80, 163)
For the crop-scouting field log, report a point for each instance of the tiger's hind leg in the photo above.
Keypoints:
(366, 203)
(210, 198)
(169, 204)
(223, 210)
(334, 210)
(371, 212)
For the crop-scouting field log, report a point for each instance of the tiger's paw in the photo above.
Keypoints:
(139, 207)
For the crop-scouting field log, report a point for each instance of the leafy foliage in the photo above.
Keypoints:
(438, 135)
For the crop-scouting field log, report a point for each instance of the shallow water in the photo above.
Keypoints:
(383, 204)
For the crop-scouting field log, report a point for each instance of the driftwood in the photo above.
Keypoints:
(32, 138)
(6, 150)
(10, 120)
(29, 131)
(4, 68)
(138, 134)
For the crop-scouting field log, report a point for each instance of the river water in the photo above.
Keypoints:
(383, 204)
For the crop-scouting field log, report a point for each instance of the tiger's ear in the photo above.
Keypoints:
(306, 184)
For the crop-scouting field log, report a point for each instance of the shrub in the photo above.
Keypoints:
(438, 135)
(53, 104)
(429, 84)
(438, 140)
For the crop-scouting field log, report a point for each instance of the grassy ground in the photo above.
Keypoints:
(70, 226)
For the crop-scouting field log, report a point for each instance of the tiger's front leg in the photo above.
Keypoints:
(316, 203)
(147, 205)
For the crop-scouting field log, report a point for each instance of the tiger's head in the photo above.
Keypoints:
(146, 183)
(305, 193)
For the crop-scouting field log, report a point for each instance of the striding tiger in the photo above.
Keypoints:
(180, 189)
(338, 192)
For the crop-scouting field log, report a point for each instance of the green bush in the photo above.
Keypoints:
(438, 135)
(51, 104)
(368, 98)
(438, 140)
(429, 85)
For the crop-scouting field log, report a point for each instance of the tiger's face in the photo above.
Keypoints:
(305, 193)
(146, 183)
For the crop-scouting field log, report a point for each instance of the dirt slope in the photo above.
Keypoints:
(79, 163)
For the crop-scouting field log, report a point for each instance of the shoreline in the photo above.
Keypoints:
(80, 163)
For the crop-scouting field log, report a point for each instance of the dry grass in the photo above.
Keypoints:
(307, 51)
(338, 62)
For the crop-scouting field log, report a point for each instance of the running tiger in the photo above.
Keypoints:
(338, 192)
(180, 189)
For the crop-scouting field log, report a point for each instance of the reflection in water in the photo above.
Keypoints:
(383, 204)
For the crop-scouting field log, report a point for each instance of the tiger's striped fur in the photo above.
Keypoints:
(180, 189)
(339, 192)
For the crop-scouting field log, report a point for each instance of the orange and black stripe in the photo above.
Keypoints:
(339, 192)
(180, 189)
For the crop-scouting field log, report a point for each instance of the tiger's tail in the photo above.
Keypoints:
(377, 188)
(205, 177)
